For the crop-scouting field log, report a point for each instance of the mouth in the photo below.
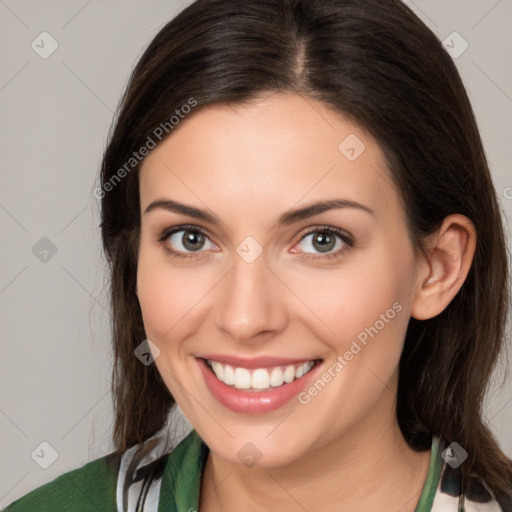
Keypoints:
(256, 386)
(259, 379)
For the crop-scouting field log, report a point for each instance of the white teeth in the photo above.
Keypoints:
(302, 370)
(229, 375)
(242, 378)
(276, 377)
(289, 374)
(260, 378)
(218, 369)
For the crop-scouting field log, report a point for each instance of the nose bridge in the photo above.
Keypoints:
(250, 303)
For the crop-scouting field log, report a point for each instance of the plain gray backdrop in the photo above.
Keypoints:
(56, 109)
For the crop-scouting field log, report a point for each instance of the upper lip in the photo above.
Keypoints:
(256, 362)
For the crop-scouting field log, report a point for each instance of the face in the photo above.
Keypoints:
(275, 276)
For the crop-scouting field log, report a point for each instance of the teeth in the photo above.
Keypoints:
(218, 369)
(242, 378)
(260, 378)
(289, 374)
(276, 377)
(229, 375)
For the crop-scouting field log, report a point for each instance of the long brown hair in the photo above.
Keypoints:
(375, 62)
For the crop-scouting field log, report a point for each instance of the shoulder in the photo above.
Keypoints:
(124, 481)
(454, 492)
(89, 488)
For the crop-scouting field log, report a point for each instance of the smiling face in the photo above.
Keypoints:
(263, 285)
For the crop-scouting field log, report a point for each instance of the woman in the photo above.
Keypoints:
(308, 257)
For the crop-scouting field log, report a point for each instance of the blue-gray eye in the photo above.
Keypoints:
(188, 239)
(322, 240)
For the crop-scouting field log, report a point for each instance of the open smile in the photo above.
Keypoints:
(258, 388)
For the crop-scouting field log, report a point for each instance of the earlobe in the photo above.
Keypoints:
(450, 256)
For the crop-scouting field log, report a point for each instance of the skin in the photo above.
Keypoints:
(247, 164)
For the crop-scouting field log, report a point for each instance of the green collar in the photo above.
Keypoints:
(432, 481)
(181, 481)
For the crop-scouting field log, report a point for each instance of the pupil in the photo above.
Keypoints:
(326, 242)
(190, 238)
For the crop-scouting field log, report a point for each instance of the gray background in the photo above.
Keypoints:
(55, 113)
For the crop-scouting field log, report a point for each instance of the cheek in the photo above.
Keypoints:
(166, 297)
(364, 308)
(365, 312)
(367, 290)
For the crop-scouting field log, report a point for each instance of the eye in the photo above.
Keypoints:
(183, 241)
(327, 241)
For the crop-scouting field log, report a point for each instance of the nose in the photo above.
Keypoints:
(251, 301)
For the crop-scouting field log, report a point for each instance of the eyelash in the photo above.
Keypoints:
(346, 239)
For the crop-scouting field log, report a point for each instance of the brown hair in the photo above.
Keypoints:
(375, 62)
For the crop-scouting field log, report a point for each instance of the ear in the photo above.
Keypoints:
(450, 254)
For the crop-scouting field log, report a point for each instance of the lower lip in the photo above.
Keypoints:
(253, 402)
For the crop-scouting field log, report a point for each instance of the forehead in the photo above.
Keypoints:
(279, 150)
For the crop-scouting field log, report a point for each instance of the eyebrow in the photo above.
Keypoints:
(287, 218)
